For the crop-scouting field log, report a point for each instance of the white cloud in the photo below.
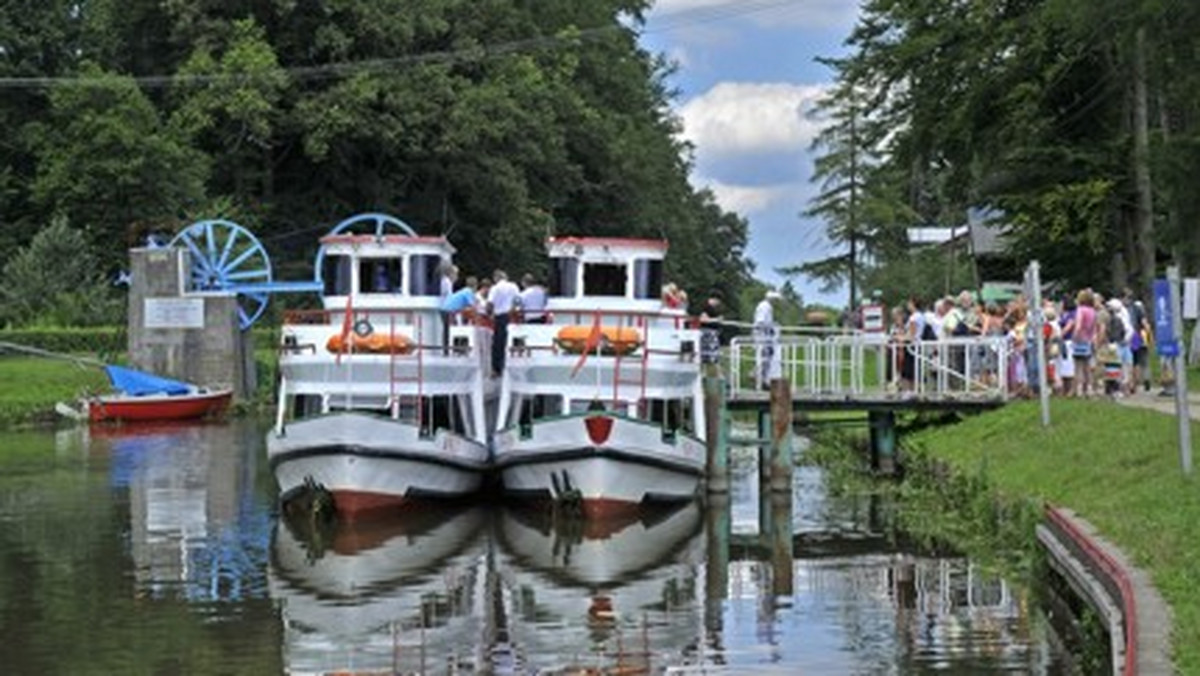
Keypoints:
(746, 118)
(748, 200)
(815, 14)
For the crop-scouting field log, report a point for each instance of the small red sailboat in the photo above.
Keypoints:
(141, 396)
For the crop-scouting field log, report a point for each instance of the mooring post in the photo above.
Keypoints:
(883, 440)
(781, 435)
(716, 431)
(782, 557)
(718, 525)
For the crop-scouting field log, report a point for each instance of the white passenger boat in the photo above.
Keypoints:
(377, 404)
(602, 406)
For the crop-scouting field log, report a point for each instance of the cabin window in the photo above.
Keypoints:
(674, 415)
(306, 405)
(424, 275)
(526, 409)
(647, 278)
(604, 279)
(335, 272)
(380, 275)
(564, 277)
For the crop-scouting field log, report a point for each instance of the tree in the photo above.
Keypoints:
(105, 160)
(55, 281)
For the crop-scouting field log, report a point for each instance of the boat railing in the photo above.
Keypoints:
(421, 330)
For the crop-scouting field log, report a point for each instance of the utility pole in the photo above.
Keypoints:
(853, 221)
(1144, 221)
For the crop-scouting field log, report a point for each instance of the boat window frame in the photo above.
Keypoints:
(397, 265)
(598, 274)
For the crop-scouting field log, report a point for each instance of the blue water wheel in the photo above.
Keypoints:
(375, 224)
(226, 257)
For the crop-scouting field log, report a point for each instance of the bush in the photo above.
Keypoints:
(54, 282)
(107, 342)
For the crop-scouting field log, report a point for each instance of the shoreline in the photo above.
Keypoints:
(1116, 466)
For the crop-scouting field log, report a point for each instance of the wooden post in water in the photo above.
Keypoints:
(718, 524)
(782, 557)
(781, 435)
(883, 440)
(716, 431)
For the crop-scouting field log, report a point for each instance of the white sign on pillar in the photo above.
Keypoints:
(1191, 298)
(173, 313)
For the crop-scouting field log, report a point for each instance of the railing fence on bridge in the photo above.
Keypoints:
(871, 366)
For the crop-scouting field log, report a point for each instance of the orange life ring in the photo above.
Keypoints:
(617, 340)
(374, 343)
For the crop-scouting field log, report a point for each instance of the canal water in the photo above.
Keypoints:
(157, 551)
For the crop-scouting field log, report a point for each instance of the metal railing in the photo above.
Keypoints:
(871, 366)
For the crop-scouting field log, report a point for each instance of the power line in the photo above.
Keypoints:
(721, 11)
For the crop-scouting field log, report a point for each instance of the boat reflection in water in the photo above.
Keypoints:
(197, 530)
(580, 595)
(396, 596)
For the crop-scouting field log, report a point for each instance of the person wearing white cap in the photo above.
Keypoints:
(766, 335)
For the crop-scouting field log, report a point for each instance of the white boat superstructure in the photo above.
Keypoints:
(380, 400)
(602, 406)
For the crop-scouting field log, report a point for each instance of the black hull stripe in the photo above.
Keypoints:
(364, 452)
(540, 457)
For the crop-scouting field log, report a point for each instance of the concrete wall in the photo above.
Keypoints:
(186, 336)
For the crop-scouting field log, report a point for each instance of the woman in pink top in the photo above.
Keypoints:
(1083, 338)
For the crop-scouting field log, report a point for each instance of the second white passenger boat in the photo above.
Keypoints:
(602, 406)
(378, 403)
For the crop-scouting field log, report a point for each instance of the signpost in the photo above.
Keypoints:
(872, 318)
(1037, 319)
(1168, 326)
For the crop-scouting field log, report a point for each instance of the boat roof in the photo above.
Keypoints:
(604, 247)
(436, 243)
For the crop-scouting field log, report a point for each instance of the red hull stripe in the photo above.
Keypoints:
(358, 505)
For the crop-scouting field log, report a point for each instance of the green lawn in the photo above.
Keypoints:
(1117, 467)
(30, 386)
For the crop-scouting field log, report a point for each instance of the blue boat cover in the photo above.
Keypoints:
(138, 383)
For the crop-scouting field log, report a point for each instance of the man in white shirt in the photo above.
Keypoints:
(766, 335)
(533, 300)
(501, 298)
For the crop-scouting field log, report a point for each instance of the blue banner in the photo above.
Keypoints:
(1164, 331)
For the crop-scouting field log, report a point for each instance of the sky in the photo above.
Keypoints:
(746, 78)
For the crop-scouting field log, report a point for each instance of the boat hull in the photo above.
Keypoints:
(611, 465)
(158, 408)
(373, 465)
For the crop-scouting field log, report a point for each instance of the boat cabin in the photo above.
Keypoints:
(382, 271)
(603, 273)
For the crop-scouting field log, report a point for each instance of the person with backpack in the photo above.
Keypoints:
(1120, 330)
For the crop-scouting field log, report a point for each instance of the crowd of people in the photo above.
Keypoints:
(494, 301)
(1091, 344)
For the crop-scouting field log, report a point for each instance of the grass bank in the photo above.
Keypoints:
(30, 386)
(1118, 467)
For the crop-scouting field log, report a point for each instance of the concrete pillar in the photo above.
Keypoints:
(781, 436)
(186, 336)
(883, 440)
